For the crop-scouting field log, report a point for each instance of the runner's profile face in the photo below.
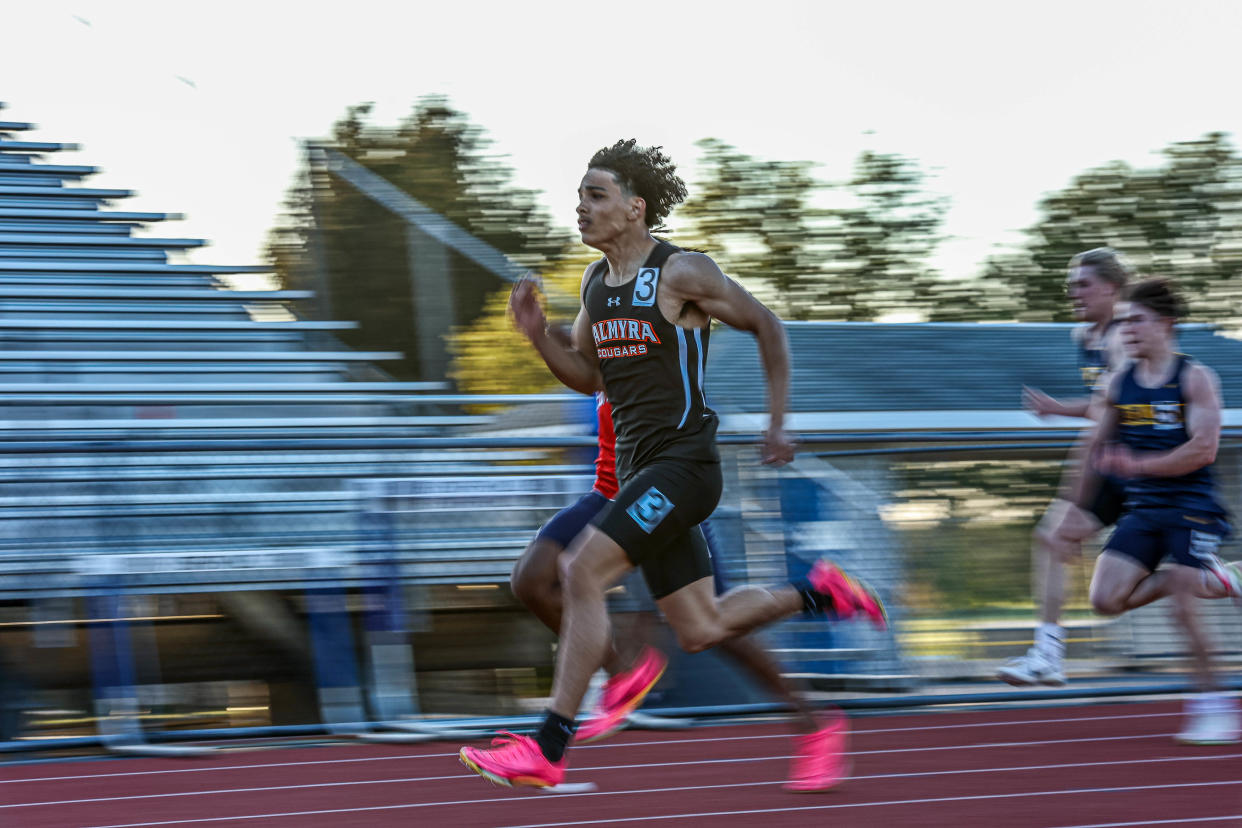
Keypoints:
(604, 211)
(1091, 298)
(1142, 329)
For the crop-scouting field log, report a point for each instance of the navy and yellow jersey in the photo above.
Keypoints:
(1094, 359)
(652, 370)
(1154, 419)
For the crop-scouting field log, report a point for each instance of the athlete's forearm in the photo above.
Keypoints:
(1190, 456)
(774, 355)
(1072, 408)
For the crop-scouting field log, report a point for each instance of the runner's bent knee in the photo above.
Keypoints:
(700, 637)
(535, 574)
(1107, 603)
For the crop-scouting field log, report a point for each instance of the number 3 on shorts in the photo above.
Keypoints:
(650, 509)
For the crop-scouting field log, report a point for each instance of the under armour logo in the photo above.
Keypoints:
(614, 301)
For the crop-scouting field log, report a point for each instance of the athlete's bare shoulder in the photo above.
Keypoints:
(1200, 379)
(688, 272)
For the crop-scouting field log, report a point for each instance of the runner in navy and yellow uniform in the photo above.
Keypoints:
(1158, 429)
(1094, 284)
(642, 336)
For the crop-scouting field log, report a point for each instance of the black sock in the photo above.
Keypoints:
(554, 735)
(813, 602)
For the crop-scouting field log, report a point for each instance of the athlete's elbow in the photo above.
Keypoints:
(584, 382)
(1204, 452)
(771, 325)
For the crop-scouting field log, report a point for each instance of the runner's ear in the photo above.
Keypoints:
(638, 207)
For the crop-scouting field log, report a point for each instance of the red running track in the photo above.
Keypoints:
(1100, 765)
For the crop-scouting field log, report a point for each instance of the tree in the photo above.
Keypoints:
(756, 218)
(1182, 219)
(491, 357)
(764, 222)
(440, 158)
(880, 245)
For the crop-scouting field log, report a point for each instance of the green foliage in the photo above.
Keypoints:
(1182, 219)
(849, 250)
(491, 357)
(755, 218)
(881, 244)
(439, 158)
(765, 223)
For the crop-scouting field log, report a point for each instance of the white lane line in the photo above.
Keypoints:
(741, 759)
(927, 801)
(738, 760)
(1232, 819)
(606, 745)
(571, 789)
(413, 805)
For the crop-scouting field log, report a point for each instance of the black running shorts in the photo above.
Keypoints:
(655, 518)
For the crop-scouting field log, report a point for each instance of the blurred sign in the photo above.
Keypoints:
(190, 562)
(473, 492)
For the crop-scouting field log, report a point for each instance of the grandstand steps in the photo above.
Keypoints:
(110, 340)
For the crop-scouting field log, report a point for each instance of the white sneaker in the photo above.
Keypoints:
(1033, 668)
(1230, 574)
(1211, 727)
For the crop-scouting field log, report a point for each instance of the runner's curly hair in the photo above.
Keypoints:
(645, 172)
(1160, 296)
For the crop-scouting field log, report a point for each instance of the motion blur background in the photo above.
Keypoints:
(287, 492)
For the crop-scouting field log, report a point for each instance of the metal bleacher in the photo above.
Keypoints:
(168, 434)
(158, 422)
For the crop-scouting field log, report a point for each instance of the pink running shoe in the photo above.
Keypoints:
(621, 695)
(849, 595)
(820, 762)
(513, 760)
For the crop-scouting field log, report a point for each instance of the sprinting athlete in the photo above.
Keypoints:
(818, 763)
(1159, 429)
(1094, 284)
(641, 334)
(536, 583)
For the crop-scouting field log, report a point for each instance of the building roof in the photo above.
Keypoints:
(926, 369)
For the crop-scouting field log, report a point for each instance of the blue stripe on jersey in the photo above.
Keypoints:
(685, 371)
(698, 343)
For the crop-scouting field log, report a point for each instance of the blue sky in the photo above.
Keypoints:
(200, 106)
